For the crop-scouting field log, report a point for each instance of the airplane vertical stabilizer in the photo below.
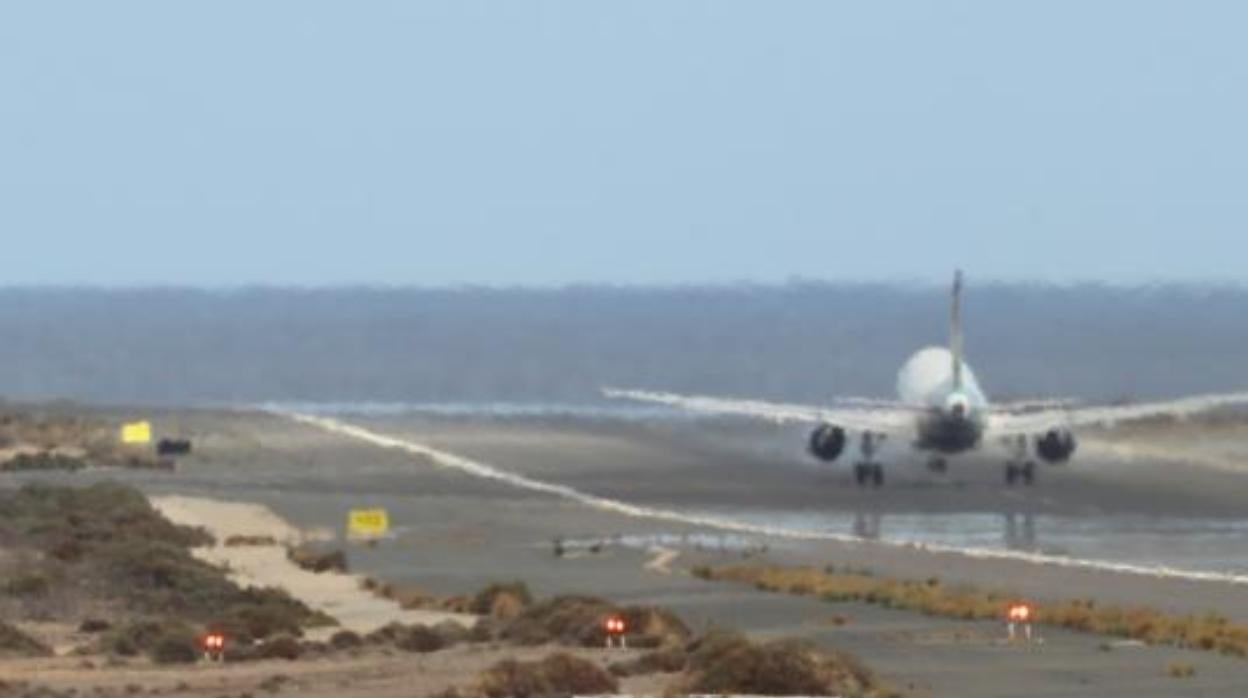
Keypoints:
(955, 330)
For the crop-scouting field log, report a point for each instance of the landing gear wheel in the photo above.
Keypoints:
(1028, 472)
(1012, 473)
(937, 464)
(869, 474)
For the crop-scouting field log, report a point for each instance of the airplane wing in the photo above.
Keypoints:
(1007, 424)
(893, 419)
(1032, 406)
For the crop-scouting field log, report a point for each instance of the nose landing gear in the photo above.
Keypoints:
(869, 471)
(1019, 468)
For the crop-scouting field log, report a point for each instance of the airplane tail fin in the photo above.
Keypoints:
(955, 330)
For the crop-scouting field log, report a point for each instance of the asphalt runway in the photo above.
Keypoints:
(456, 529)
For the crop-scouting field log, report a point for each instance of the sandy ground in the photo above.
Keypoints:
(339, 595)
(375, 673)
(455, 531)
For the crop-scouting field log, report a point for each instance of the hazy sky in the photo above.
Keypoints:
(531, 142)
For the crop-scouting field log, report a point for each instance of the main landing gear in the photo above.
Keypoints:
(1019, 468)
(869, 471)
(938, 465)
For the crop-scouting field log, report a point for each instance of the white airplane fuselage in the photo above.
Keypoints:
(951, 419)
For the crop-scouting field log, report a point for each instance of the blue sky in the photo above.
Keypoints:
(224, 143)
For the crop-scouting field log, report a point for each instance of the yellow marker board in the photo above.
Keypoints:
(136, 433)
(368, 523)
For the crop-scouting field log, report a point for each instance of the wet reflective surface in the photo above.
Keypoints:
(1203, 545)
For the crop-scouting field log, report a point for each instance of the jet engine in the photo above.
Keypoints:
(827, 442)
(1055, 446)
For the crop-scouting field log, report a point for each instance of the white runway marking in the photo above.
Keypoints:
(452, 461)
(662, 560)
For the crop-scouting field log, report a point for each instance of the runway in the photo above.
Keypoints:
(479, 497)
(1192, 549)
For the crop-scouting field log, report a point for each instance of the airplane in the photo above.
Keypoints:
(942, 411)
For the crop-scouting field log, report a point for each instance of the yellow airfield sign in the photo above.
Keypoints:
(368, 523)
(136, 432)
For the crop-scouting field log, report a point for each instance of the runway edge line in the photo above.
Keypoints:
(486, 471)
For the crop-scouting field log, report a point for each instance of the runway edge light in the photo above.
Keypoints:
(1020, 613)
(616, 630)
(214, 646)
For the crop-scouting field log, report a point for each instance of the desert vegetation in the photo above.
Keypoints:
(930, 596)
(32, 439)
(105, 551)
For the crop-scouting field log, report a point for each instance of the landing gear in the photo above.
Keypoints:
(1019, 467)
(939, 465)
(1015, 472)
(869, 473)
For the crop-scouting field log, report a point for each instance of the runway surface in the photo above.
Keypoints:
(597, 482)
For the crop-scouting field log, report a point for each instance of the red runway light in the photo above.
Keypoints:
(214, 642)
(615, 625)
(1019, 613)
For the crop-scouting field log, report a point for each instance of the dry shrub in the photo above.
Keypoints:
(501, 600)
(94, 625)
(662, 661)
(485, 630)
(578, 621)
(43, 460)
(345, 640)
(420, 638)
(280, 647)
(140, 636)
(1209, 632)
(653, 626)
(314, 559)
(243, 541)
(457, 604)
(452, 633)
(386, 634)
(1180, 670)
(725, 662)
(569, 620)
(175, 649)
(560, 674)
(15, 643)
(107, 543)
(408, 597)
